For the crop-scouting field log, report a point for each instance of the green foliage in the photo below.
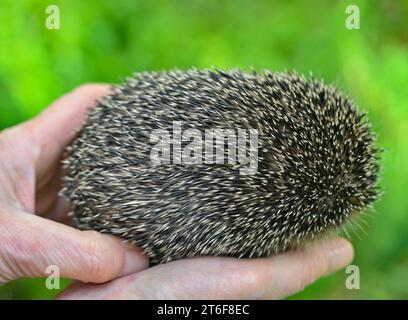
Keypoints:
(105, 41)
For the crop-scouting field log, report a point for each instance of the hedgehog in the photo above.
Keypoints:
(314, 163)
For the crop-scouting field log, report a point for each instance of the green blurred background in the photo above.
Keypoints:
(105, 41)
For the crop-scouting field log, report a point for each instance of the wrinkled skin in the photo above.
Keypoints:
(35, 231)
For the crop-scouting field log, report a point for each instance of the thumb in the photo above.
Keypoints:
(30, 244)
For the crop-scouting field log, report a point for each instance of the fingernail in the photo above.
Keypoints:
(134, 261)
(340, 254)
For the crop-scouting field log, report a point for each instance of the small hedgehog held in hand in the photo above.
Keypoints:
(203, 162)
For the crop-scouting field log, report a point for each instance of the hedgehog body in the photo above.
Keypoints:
(316, 164)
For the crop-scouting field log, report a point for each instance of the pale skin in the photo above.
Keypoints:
(35, 231)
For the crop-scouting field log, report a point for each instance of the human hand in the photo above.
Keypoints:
(224, 278)
(30, 178)
(30, 175)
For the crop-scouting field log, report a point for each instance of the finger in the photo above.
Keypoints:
(294, 271)
(16, 172)
(30, 244)
(55, 127)
(224, 278)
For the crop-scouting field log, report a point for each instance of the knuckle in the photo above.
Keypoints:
(17, 253)
(100, 264)
(97, 263)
